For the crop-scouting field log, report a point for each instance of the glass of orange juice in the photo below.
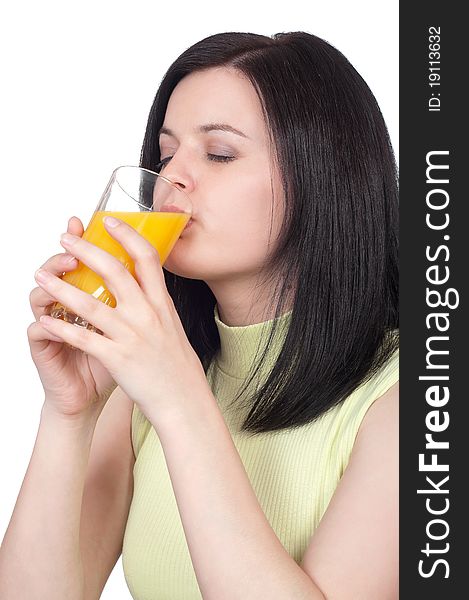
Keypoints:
(153, 205)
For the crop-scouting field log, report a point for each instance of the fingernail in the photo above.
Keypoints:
(68, 259)
(67, 238)
(111, 221)
(42, 275)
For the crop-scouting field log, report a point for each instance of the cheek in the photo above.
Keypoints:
(242, 218)
(234, 230)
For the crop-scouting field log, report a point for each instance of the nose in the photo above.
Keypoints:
(174, 180)
(178, 174)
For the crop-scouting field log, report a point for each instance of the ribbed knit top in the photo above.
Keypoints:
(293, 472)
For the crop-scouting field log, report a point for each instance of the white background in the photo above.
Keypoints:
(77, 81)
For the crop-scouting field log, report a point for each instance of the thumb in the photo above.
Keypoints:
(75, 226)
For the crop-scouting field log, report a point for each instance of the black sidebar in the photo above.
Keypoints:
(434, 369)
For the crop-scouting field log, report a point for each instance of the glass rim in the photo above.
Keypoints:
(114, 178)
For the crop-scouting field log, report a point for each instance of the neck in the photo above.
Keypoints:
(241, 304)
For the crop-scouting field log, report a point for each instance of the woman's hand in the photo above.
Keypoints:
(144, 346)
(73, 382)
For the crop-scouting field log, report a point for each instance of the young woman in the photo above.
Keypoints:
(234, 432)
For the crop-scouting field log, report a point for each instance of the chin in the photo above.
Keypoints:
(187, 273)
(197, 261)
(184, 264)
(194, 267)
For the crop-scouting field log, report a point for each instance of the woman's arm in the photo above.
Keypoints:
(354, 552)
(236, 554)
(40, 553)
(58, 546)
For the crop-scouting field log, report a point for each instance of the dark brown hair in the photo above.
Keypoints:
(339, 243)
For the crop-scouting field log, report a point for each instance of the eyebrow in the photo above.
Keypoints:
(206, 129)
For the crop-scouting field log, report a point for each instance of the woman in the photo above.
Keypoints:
(249, 449)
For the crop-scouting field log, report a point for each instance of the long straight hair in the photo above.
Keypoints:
(338, 247)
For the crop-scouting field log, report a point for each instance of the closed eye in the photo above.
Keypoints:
(212, 157)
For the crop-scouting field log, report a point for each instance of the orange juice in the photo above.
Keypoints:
(161, 229)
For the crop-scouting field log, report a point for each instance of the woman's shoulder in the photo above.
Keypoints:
(351, 415)
(359, 401)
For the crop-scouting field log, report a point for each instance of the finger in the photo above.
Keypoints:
(63, 262)
(39, 299)
(81, 303)
(40, 302)
(117, 278)
(75, 226)
(60, 263)
(148, 271)
(39, 337)
(81, 338)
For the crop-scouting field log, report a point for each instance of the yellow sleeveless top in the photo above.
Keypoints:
(294, 473)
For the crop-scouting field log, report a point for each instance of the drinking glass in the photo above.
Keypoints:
(153, 205)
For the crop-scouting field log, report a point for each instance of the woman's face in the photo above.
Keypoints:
(230, 178)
